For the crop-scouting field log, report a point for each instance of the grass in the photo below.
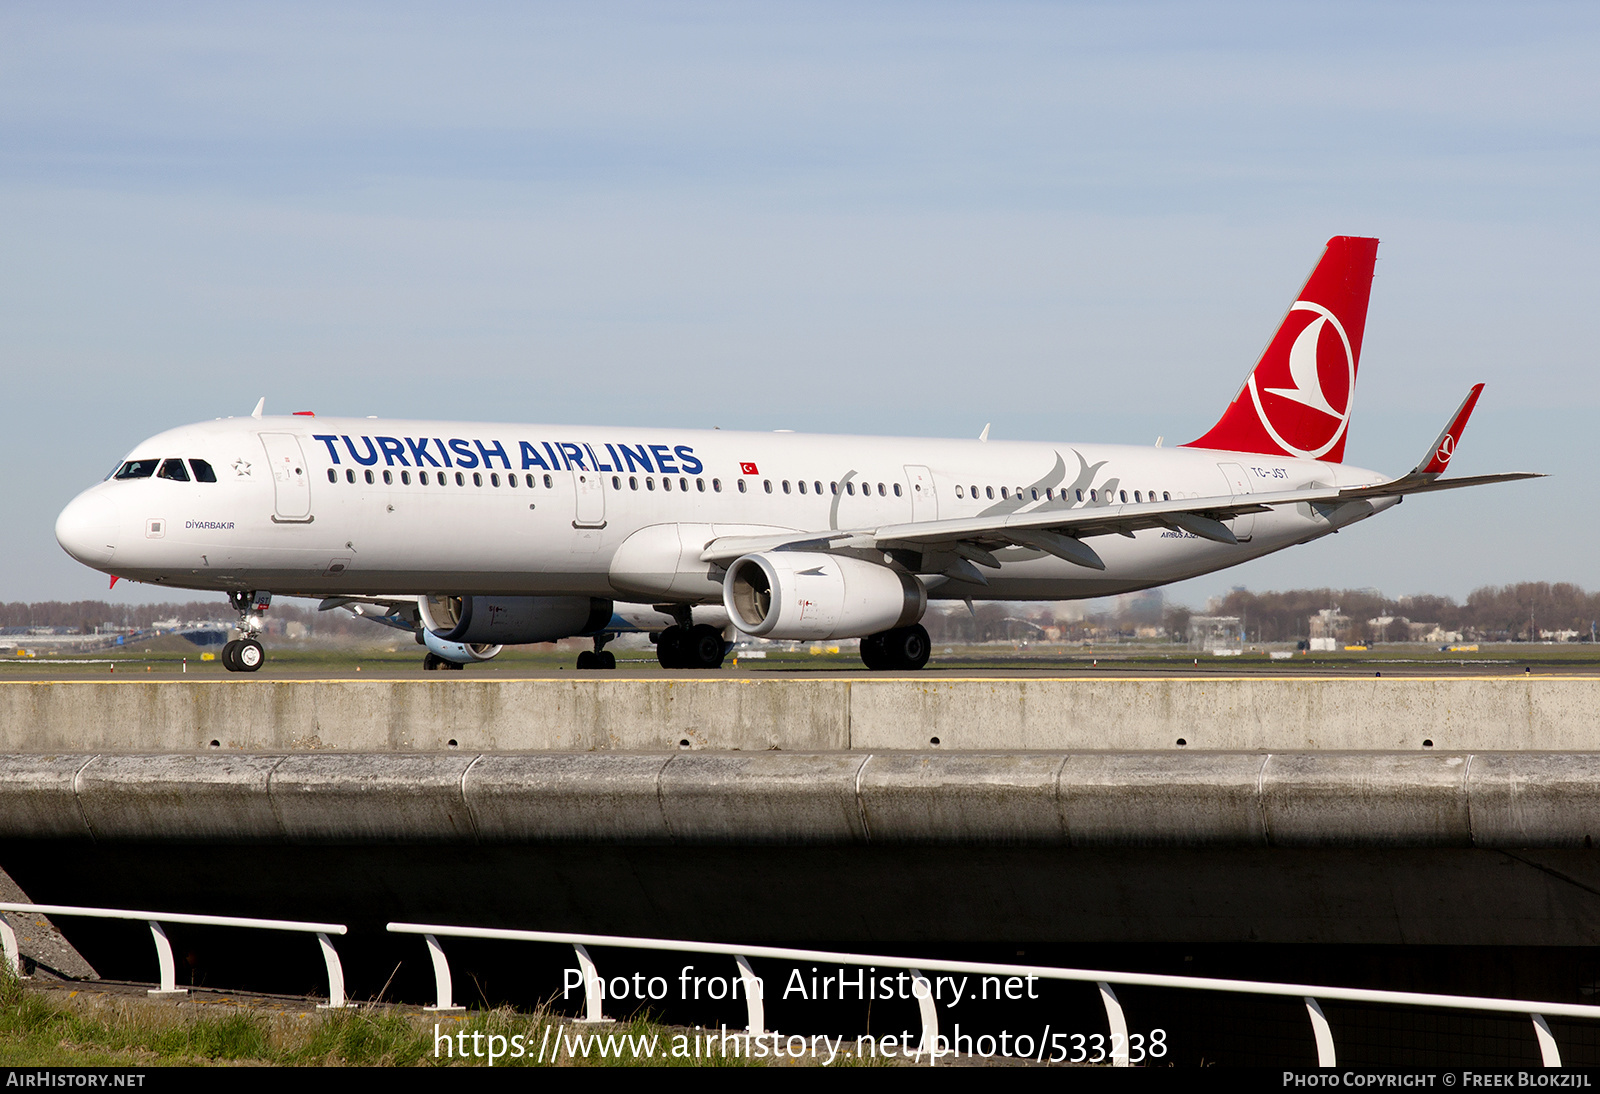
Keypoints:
(164, 657)
(92, 1029)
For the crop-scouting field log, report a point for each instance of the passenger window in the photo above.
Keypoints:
(1123, 496)
(633, 482)
(461, 479)
(683, 485)
(666, 483)
(1035, 494)
(716, 485)
(511, 480)
(203, 472)
(494, 479)
(388, 478)
(741, 486)
(802, 485)
(818, 487)
(1165, 496)
(833, 488)
(405, 478)
(959, 494)
(370, 479)
(616, 482)
(349, 474)
(649, 482)
(174, 470)
(549, 483)
(333, 476)
(850, 488)
(1093, 496)
(138, 469)
(786, 486)
(700, 485)
(1002, 493)
(897, 490)
(881, 491)
(422, 477)
(766, 484)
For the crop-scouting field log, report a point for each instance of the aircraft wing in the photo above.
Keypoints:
(399, 612)
(954, 545)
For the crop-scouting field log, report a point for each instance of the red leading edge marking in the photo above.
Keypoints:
(1297, 400)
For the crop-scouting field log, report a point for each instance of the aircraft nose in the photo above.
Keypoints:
(87, 529)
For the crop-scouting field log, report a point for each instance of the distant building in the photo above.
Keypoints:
(1215, 632)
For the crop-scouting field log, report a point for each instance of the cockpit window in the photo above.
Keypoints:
(138, 469)
(174, 470)
(202, 471)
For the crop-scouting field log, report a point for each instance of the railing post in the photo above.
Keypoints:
(1323, 1033)
(930, 1016)
(169, 968)
(1117, 1022)
(441, 977)
(1548, 1052)
(330, 957)
(752, 997)
(13, 955)
(592, 991)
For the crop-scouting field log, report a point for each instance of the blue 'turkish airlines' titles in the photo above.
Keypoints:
(548, 455)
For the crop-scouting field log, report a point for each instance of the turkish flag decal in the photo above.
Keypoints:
(748, 469)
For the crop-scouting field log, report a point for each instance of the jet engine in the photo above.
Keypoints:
(510, 620)
(804, 595)
(458, 653)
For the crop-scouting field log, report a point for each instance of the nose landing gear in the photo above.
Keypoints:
(246, 654)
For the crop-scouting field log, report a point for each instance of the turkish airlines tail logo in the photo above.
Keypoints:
(1297, 400)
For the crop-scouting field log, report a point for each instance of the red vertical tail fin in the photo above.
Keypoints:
(1298, 398)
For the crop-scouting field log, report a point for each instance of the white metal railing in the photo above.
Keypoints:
(330, 956)
(1117, 1022)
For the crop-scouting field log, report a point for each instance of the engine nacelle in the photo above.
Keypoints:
(460, 652)
(804, 596)
(512, 620)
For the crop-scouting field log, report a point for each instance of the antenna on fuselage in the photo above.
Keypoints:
(984, 436)
(1159, 440)
(261, 404)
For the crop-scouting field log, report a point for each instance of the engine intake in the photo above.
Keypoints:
(512, 620)
(804, 595)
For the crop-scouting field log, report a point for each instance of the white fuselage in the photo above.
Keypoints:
(325, 506)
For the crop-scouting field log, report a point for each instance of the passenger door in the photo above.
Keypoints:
(291, 482)
(1243, 525)
(924, 503)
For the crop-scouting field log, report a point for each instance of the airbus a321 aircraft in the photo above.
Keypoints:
(476, 536)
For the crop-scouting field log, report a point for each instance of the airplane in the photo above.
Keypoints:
(474, 536)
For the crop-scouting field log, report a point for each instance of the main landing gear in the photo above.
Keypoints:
(246, 654)
(432, 662)
(696, 647)
(903, 649)
(599, 657)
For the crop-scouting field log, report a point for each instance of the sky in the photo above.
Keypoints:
(1078, 222)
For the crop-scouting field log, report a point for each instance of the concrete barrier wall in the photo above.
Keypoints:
(832, 714)
(1094, 799)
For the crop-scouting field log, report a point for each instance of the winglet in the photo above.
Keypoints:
(984, 436)
(1438, 458)
(260, 406)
